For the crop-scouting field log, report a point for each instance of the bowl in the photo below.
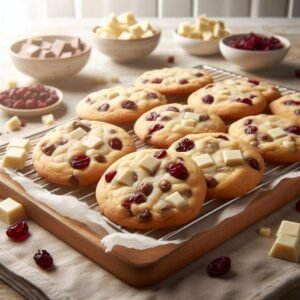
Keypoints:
(31, 112)
(254, 59)
(197, 46)
(45, 69)
(126, 50)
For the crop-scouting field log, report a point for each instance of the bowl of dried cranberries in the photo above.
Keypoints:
(253, 51)
(31, 100)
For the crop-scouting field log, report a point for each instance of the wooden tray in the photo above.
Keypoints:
(147, 267)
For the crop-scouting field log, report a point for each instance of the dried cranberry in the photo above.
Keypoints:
(62, 141)
(80, 161)
(253, 163)
(155, 127)
(297, 206)
(251, 129)
(291, 102)
(208, 99)
(109, 176)
(152, 95)
(211, 181)
(203, 118)
(183, 81)
(173, 108)
(178, 170)
(145, 215)
(295, 129)
(136, 198)
(165, 186)
(115, 144)
(43, 259)
(171, 59)
(83, 125)
(264, 137)
(248, 122)
(219, 266)
(223, 137)
(152, 116)
(146, 188)
(254, 81)
(23, 122)
(297, 73)
(103, 107)
(19, 104)
(128, 104)
(185, 145)
(48, 149)
(160, 154)
(156, 80)
(244, 100)
(18, 231)
(198, 74)
(100, 158)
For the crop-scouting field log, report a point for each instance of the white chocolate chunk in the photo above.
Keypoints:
(19, 143)
(232, 157)
(265, 231)
(11, 211)
(286, 247)
(204, 160)
(13, 123)
(93, 142)
(14, 158)
(48, 119)
(150, 164)
(191, 115)
(112, 94)
(289, 145)
(77, 134)
(188, 123)
(276, 133)
(207, 36)
(184, 29)
(112, 22)
(289, 228)
(11, 83)
(145, 26)
(125, 35)
(126, 177)
(136, 31)
(127, 18)
(147, 34)
(177, 200)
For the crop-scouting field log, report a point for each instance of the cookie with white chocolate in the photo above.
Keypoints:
(151, 189)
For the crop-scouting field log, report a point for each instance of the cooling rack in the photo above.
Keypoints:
(146, 267)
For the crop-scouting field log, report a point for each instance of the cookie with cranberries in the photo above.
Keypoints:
(287, 106)
(151, 189)
(119, 104)
(275, 137)
(174, 81)
(165, 124)
(78, 153)
(231, 166)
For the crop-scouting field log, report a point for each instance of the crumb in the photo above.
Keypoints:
(171, 59)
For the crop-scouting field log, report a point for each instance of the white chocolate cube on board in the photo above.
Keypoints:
(191, 115)
(265, 231)
(13, 123)
(19, 143)
(150, 164)
(276, 133)
(93, 142)
(286, 247)
(14, 158)
(127, 18)
(77, 134)
(289, 228)
(48, 119)
(203, 160)
(177, 200)
(232, 157)
(11, 211)
(126, 177)
(188, 123)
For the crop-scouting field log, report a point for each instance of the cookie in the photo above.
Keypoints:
(276, 138)
(79, 152)
(118, 105)
(287, 106)
(165, 124)
(231, 166)
(230, 99)
(174, 81)
(151, 189)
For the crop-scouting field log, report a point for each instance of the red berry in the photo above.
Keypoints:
(115, 144)
(297, 206)
(128, 104)
(297, 73)
(248, 122)
(291, 102)
(219, 266)
(155, 127)
(152, 95)
(244, 100)
(43, 259)
(253, 163)
(31, 103)
(183, 81)
(18, 231)
(185, 145)
(23, 122)
(152, 116)
(173, 108)
(254, 81)
(208, 99)
(178, 170)
(19, 104)
(171, 59)
(80, 161)
(145, 215)
(110, 176)
(295, 129)
(160, 154)
(222, 137)
(211, 181)
(251, 129)
(156, 80)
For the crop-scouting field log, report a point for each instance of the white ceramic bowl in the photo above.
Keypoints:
(49, 68)
(197, 46)
(253, 59)
(24, 112)
(126, 50)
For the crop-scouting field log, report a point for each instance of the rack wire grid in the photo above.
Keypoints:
(210, 207)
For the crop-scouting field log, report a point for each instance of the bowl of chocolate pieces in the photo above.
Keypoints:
(48, 58)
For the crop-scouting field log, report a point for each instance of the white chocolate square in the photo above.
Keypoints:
(177, 200)
(112, 94)
(136, 31)
(48, 119)
(191, 115)
(289, 228)
(150, 164)
(125, 35)
(286, 247)
(184, 29)
(276, 133)
(13, 123)
(147, 34)
(11, 211)
(126, 177)
(14, 158)
(19, 143)
(207, 36)
(204, 160)
(145, 26)
(188, 123)
(77, 134)
(127, 18)
(93, 142)
(265, 231)
(232, 157)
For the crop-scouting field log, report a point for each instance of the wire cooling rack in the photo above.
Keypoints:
(211, 207)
